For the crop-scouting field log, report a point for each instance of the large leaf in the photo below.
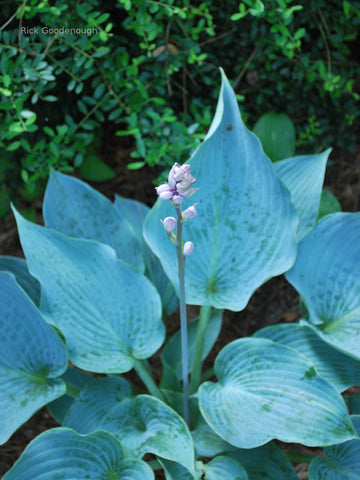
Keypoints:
(135, 213)
(18, 267)
(304, 176)
(266, 462)
(244, 232)
(341, 462)
(144, 424)
(61, 453)
(31, 357)
(264, 389)
(74, 208)
(327, 276)
(338, 369)
(93, 298)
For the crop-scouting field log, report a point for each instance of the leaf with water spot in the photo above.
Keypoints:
(264, 388)
(244, 232)
(327, 276)
(31, 358)
(63, 453)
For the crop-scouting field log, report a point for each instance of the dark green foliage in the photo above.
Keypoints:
(151, 68)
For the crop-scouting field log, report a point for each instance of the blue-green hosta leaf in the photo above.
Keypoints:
(175, 471)
(304, 176)
(31, 357)
(338, 369)
(207, 442)
(77, 378)
(224, 468)
(93, 298)
(219, 468)
(18, 267)
(341, 462)
(327, 276)
(265, 462)
(144, 424)
(135, 213)
(74, 208)
(263, 390)
(244, 232)
(61, 453)
(171, 354)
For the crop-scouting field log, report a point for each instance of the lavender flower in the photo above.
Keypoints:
(178, 186)
(188, 248)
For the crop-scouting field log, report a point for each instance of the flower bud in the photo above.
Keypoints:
(169, 224)
(189, 213)
(188, 248)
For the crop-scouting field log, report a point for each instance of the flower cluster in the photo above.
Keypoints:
(178, 186)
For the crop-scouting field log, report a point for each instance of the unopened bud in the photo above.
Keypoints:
(169, 224)
(190, 212)
(188, 248)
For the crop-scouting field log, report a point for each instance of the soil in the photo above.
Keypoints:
(274, 302)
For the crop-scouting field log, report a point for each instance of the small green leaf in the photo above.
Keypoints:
(94, 169)
(328, 204)
(277, 135)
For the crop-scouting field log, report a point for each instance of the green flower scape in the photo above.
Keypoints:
(94, 292)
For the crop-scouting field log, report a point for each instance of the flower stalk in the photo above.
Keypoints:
(183, 316)
(179, 186)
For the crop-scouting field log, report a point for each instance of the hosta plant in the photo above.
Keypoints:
(90, 304)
